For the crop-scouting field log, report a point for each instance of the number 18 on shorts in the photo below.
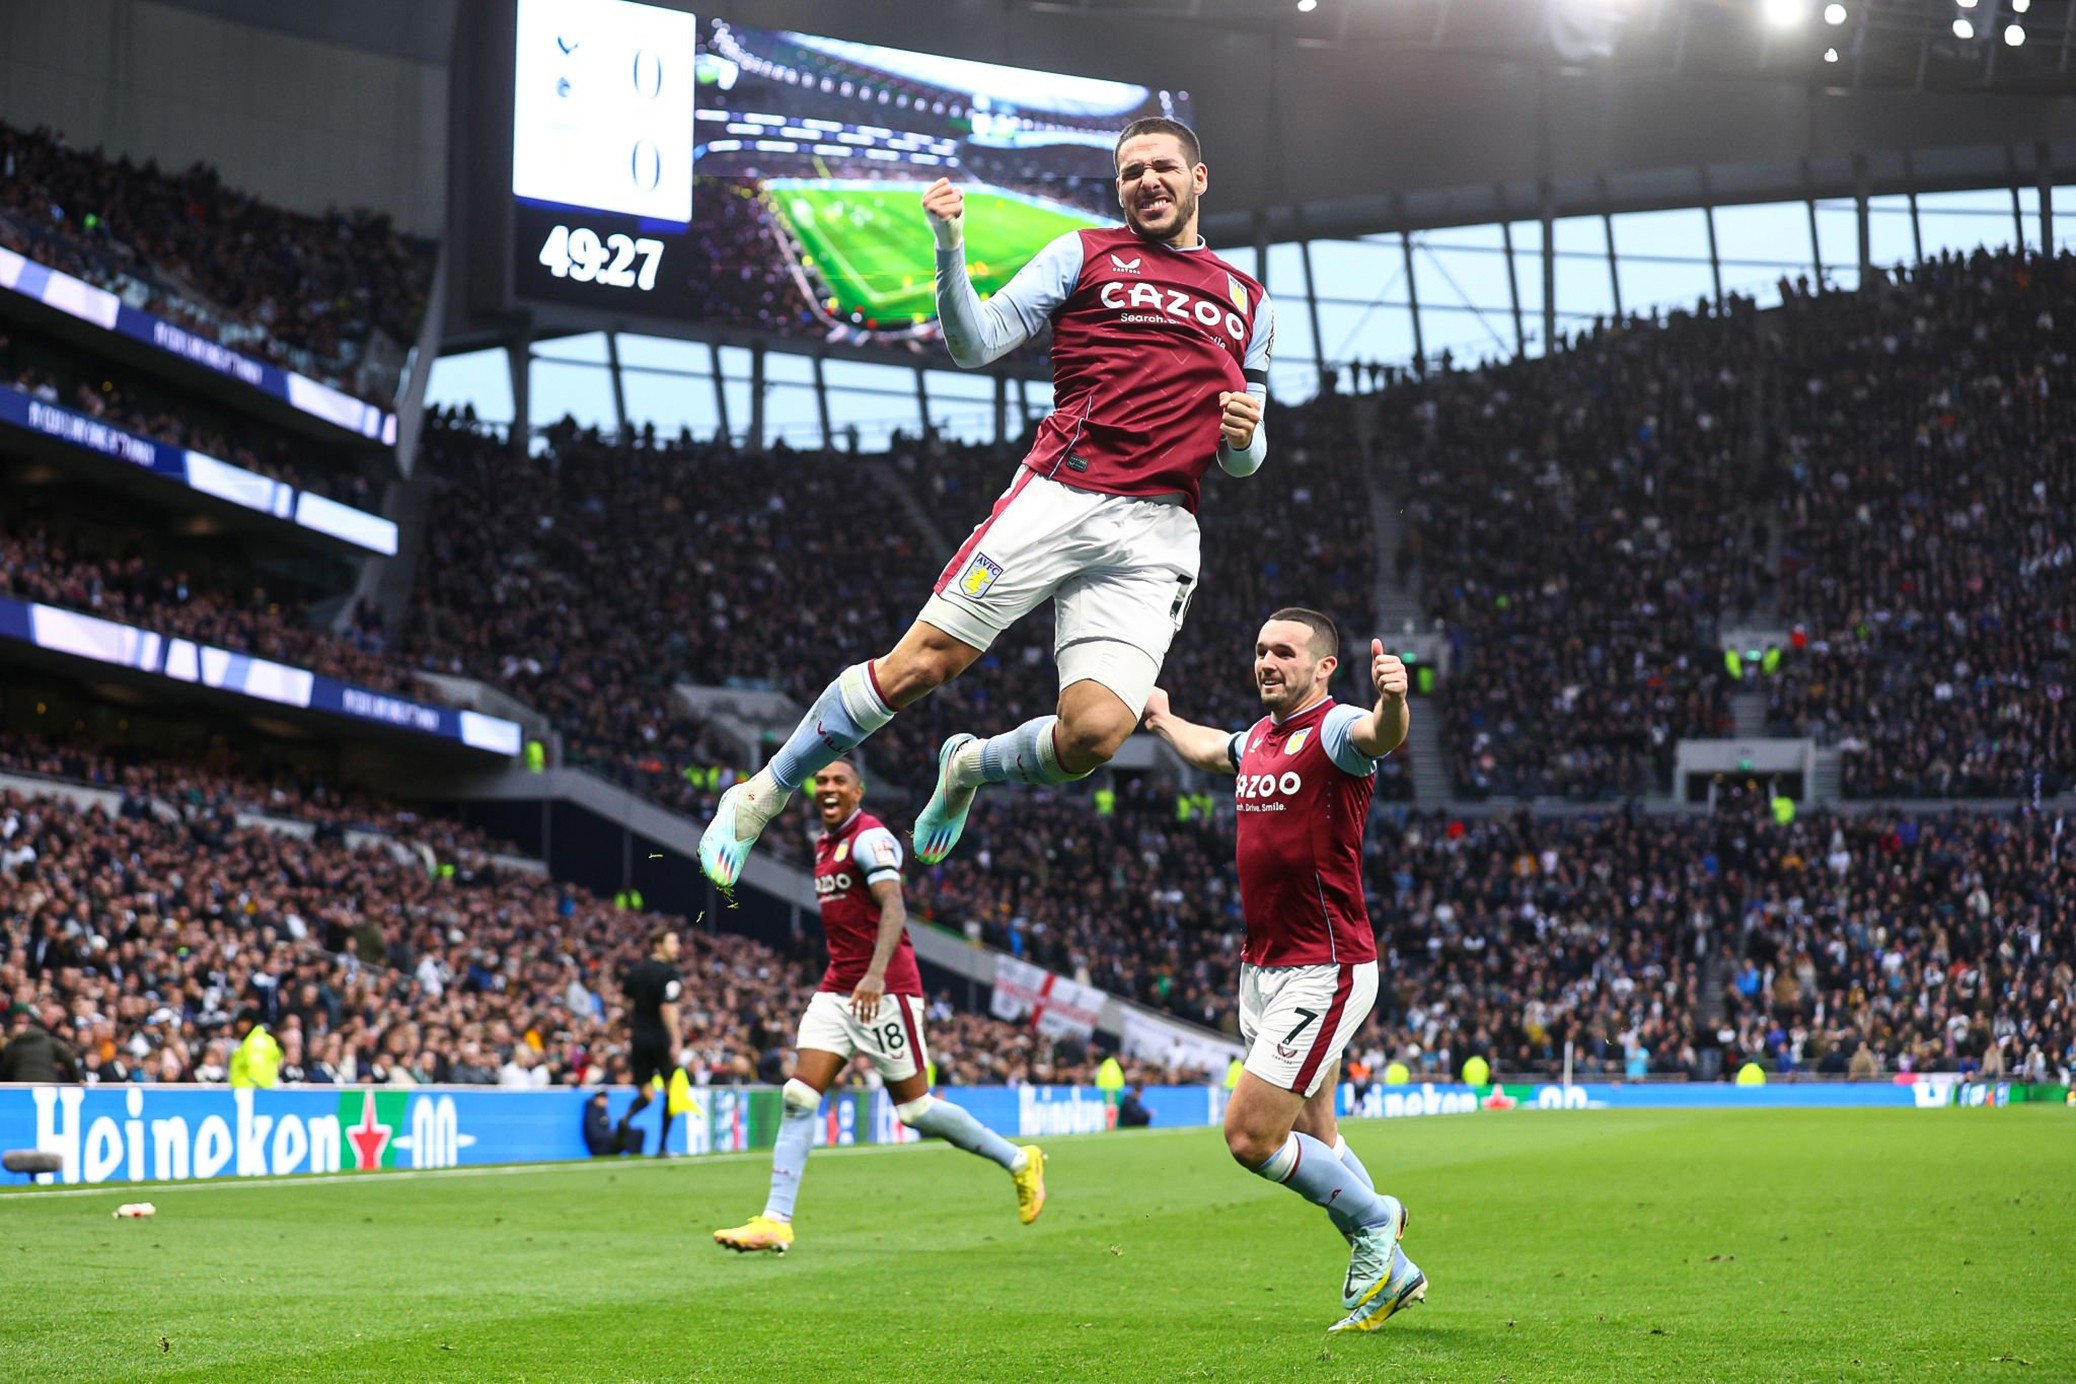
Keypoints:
(1296, 1020)
(893, 1040)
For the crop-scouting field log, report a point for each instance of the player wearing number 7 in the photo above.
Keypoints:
(1160, 355)
(870, 1001)
(1308, 973)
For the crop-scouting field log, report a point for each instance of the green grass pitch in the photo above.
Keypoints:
(872, 248)
(1854, 1245)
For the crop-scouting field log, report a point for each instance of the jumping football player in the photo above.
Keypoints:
(870, 1001)
(1308, 973)
(1160, 356)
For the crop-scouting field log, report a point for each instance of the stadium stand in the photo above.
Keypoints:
(380, 945)
(1925, 510)
(1582, 523)
(307, 292)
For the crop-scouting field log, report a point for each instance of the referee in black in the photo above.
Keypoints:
(653, 986)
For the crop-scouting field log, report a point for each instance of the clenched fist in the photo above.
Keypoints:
(944, 206)
(1241, 414)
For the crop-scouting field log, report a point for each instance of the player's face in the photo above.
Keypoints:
(837, 794)
(1158, 187)
(1287, 671)
(670, 948)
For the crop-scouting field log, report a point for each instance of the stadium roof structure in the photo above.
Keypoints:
(1345, 117)
(1361, 116)
(1341, 118)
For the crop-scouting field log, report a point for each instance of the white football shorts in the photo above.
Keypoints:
(1296, 1020)
(1120, 572)
(893, 1040)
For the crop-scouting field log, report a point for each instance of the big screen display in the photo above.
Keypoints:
(701, 171)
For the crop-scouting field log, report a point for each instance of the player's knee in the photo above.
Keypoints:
(800, 1098)
(1087, 741)
(1250, 1148)
(912, 672)
(908, 1112)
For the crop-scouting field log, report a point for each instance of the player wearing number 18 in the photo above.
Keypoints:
(870, 1001)
(1308, 972)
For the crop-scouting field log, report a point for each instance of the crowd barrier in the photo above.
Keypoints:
(57, 630)
(135, 1133)
(78, 299)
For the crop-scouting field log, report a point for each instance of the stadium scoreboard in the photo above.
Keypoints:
(701, 172)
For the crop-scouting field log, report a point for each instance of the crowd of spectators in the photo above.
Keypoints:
(306, 291)
(1679, 946)
(1881, 469)
(1928, 509)
(67, 567)
(1576, 521)
(415, 957)
(110, 394)
(1863, 945)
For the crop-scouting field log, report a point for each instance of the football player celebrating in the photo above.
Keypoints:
(1308, 972)
(870, 1001)
(1160, 355)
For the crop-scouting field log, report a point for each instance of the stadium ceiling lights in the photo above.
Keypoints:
(1834, 15)
(2021, 6)
(1830, 55)
(1784, 14)
(2014, 34)
(1962, 29)
(1965, 4)
(1307, 6)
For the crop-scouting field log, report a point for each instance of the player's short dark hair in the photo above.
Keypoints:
(656, 936)
(850, 762)
(1326, 640)
(1161, 125)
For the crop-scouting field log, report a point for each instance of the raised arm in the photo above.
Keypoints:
(1201, 747)
(1383, 728)
(975, 332)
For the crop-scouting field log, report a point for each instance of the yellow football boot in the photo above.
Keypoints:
(1030, 1184)
(761, 1233)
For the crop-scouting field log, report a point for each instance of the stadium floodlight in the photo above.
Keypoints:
(2021, 6)
(1834, 15)
(2014, 34)
(1784, 14)
(1963, 29)
(1307, 6)
(1830, 55)
(1965, 4)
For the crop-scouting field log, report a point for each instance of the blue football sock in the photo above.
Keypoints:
(1354, 1164)
(957, 1127)
(796, 1139)
(1025, 755)
(849, 710)
(1309, 1168)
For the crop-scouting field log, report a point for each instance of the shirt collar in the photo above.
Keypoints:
(1304, 711)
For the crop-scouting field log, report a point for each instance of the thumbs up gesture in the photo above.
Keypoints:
(1388, 671)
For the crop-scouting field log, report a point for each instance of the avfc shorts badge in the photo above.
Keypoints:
(1297, 742)
(980, 574)
(1235, 291)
